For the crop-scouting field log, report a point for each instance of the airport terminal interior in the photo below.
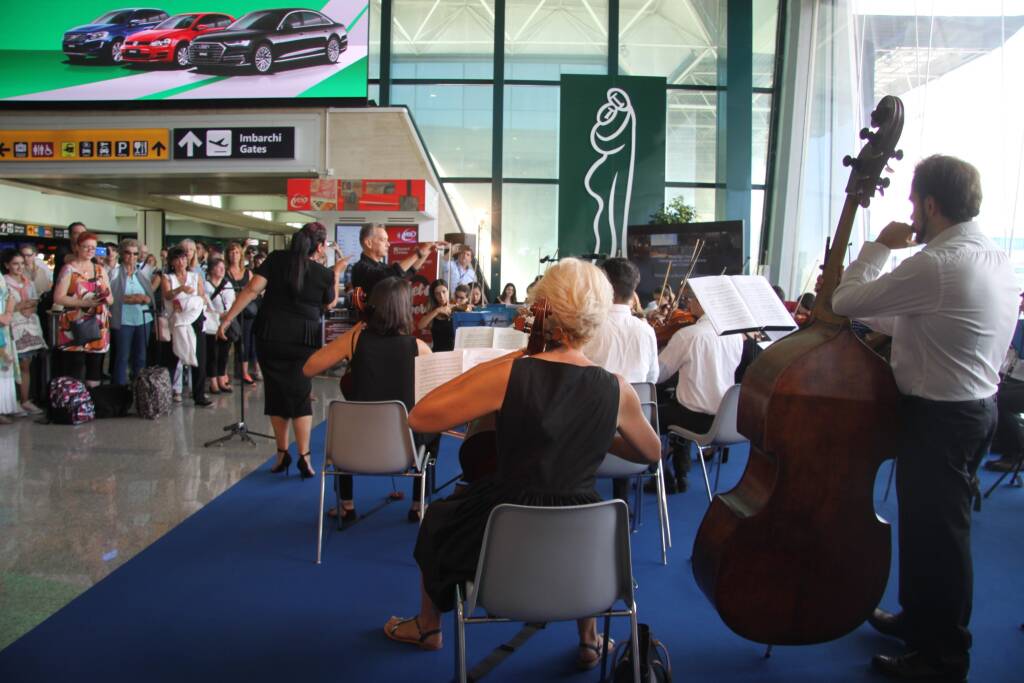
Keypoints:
(159, 166)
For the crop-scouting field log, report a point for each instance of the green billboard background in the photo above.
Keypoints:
(605, 164)
(32, 63)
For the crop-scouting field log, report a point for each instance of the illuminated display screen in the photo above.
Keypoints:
(89, 51)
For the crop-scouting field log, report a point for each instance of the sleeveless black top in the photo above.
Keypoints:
(442, 332)
(383, 368)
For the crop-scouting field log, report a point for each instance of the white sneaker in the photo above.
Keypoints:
(177, 397)
(31, 408)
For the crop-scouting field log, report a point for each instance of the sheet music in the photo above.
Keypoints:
(434, 369)
(509, 338)
(760, 298)
(474, 357)
(723, 304)
(474, 337)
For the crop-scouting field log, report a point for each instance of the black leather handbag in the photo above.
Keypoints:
(85, 329)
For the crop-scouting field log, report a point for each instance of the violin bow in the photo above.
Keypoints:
(664, 283)
(698, 247)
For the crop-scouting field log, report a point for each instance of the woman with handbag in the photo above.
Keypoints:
(25, 327)
(83, 332)
(221, 293)
(239, 276)
(185, 297)
(131, 316)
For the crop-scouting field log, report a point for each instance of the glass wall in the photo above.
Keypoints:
(487, 105)
(955, 66)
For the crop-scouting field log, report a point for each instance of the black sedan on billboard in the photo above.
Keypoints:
(263, 39)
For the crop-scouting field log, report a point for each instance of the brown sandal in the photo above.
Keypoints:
(391, 631)
(584, 663)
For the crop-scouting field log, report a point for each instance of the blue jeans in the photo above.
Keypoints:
(131, 343)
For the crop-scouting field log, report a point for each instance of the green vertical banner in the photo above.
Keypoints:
(611, 167)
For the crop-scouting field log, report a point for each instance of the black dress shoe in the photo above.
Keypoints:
(203, 402)
(888, 624)
(916, 666)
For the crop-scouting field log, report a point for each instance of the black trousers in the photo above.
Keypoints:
(941, 447)
(216, 356)
(673, 413)
(1009, 441)
(170, 361)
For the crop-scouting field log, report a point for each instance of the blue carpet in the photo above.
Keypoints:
(232, 594)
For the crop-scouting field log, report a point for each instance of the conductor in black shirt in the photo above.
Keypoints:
(371, 269)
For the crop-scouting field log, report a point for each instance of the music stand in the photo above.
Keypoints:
(239, 429)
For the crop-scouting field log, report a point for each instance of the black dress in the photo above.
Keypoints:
(287, 331)
(442, 333)
(555, 425)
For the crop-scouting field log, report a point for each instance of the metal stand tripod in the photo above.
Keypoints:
(239, 429)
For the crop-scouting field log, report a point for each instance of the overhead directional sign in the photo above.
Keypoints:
(141, 144)
(191, 144)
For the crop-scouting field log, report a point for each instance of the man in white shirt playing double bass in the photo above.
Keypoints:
(951, 310)
(624, 344)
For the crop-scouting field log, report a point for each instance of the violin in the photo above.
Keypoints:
(795, 554)
(674, 321)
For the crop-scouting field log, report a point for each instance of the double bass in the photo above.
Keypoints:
(795, 553)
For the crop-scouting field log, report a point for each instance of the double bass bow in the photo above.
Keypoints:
(795, 553)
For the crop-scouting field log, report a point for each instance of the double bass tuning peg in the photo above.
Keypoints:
(850, 161)
(883, 183)
(898, 155)
(866, 134)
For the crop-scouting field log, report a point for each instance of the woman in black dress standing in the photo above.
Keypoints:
(296, 290)
(557, 416)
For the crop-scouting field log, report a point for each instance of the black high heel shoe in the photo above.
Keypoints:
(303, 466)
(282, 465)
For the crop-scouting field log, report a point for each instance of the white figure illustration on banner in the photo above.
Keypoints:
(610, 178)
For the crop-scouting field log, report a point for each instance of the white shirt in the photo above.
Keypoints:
(706, 364)
(625, 345)
(457, 275)
(225, 297)
(951, 309)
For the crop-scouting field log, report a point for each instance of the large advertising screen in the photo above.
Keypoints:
(183, 52)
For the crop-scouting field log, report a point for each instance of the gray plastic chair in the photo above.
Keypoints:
(614, 467)
(722, 434)
(370, 438)
(542, 564)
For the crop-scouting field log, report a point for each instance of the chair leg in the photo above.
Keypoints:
(423, 493)
(638, 497)
(661, 516)
(634, 643)
(664, 502)
(604, 647)
(320, 517)
(704, 469)
(460, 637)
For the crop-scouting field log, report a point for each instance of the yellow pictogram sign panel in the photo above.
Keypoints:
(142, 144)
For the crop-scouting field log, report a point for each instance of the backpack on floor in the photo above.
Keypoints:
(153, 392)
(70, 402)
(655, 666)
(111, 400)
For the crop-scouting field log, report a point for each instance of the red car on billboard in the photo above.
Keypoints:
(168, 41)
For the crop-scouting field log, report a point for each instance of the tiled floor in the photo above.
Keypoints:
(78, 502)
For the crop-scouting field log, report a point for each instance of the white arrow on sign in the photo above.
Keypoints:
(190, 142)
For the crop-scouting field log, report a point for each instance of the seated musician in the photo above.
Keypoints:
(461, 299)
(383, 362)
(371, 269)
(559, 415)
(706, 364)
(624, 344)
(439, 317)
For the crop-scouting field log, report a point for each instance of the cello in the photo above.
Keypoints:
(794, 554)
